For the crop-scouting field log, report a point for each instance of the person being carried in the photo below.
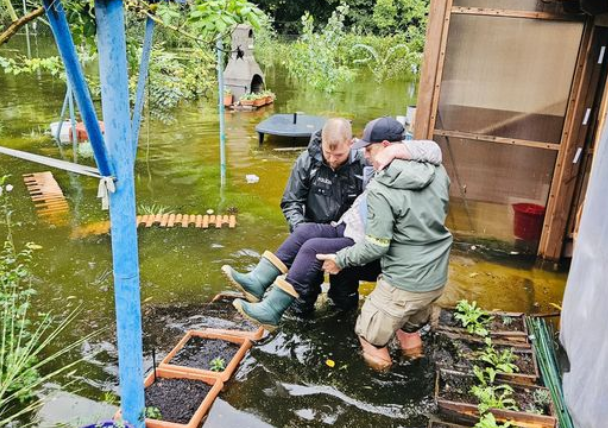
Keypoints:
(324, 182)
(296, 257)
(406, 230)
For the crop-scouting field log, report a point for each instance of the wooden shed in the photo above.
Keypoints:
(512, 91)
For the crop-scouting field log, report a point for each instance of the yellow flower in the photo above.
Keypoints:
(330, 363)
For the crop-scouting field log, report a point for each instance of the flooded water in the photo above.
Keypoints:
(284, 382)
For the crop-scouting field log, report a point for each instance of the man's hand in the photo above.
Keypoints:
(386, 156)
(329, 263)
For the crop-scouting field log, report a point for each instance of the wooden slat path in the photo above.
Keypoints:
(187, 220)
(196, 221)
(48, 197)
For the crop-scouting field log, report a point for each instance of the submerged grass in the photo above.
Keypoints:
(25, 334)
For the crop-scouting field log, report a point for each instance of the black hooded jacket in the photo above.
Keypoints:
(316, 193)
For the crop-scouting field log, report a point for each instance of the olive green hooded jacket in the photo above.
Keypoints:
(407, 205)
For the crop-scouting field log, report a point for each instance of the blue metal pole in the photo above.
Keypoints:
(65, 45)
(144, 67)
(113, 75)
(220, 79)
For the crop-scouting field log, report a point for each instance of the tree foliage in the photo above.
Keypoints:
(183, 60)
(327, 55)
(379, 17)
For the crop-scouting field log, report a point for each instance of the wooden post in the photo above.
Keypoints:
(438, 13)
(565, 173)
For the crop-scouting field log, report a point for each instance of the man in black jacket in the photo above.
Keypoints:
(325, 181)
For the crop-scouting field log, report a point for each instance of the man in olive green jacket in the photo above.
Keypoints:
(406, 230)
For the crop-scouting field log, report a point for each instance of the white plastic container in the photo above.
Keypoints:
(64, 137)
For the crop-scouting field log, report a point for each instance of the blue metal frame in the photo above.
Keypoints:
(65, 44)
(144, 67)
(111, 43)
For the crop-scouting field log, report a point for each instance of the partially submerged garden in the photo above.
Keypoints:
(358, 61)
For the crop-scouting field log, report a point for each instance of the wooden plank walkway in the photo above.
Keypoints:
(196, 221)
(48, 197)
(186, 220)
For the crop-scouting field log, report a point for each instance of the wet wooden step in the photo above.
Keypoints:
(48, 198)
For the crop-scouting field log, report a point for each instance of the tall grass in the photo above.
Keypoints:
(25, 334)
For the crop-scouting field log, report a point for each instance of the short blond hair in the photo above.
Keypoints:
(336, 131)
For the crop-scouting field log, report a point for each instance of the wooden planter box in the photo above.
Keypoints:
(529, 377)
(469, 411)
(435, 423)
(202, 410)
(243, 343)
(246, 102)
(222, 303)
(259, 102)
(269, 99)
(515, 337)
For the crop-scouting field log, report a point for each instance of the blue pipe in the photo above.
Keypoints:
(144, 67)
(113, 75)
(65, 45)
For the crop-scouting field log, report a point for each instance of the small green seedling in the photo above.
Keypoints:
(494, 397)
(489, 421)
(218, 365)
(473, 318)
(541, 398)
(502, 362)
(153, 413)
(506, 320)
(486, 376)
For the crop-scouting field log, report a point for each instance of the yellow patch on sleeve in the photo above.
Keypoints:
(381, 242)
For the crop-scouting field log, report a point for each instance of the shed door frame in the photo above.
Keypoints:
(562, 185)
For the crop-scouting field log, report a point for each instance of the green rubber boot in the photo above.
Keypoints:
(255, 283)
(269, 311)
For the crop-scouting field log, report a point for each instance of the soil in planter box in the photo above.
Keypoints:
(222, 309)
(499, 323)
(198, 352)
(461, 354)
(457, 388)
(176, 399)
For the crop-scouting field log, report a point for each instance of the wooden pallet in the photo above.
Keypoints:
(48, 197)
(161, 220)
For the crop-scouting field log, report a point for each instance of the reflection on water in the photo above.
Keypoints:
(284, 381)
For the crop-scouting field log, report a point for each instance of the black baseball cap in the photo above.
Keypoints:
(378, 130)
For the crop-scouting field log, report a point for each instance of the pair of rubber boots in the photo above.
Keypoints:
(266, 312)
(380, 359)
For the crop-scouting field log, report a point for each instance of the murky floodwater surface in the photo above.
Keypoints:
(284, 382)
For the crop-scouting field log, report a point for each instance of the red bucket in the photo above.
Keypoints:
(528, 223)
